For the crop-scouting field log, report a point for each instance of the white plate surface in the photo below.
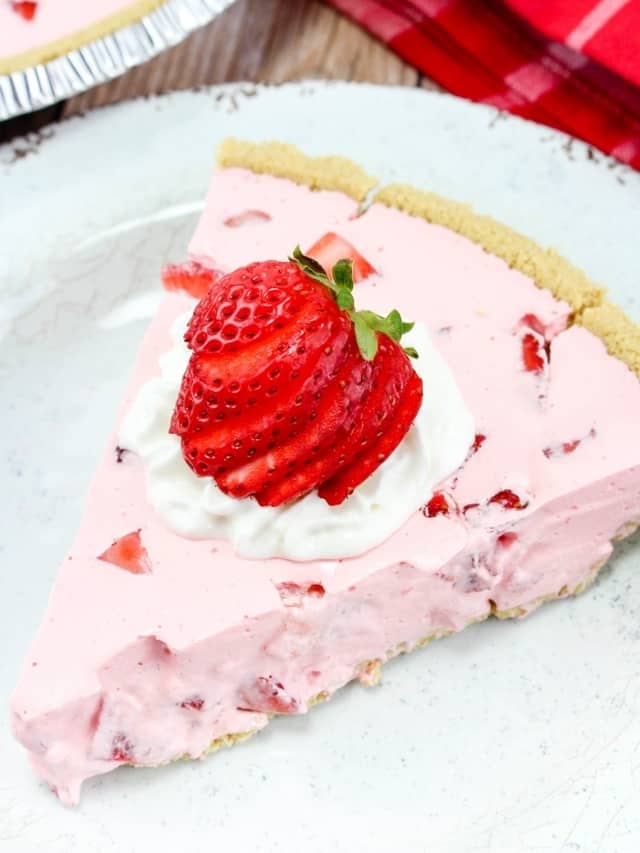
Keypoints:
(515, 737)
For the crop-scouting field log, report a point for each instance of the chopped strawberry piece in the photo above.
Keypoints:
(294, 594)
(128, 553)
(570, 446)
(191, 277)
(564, 448)
(478, 441)
(247, 217)
(121, 749)
(267, 695)
(505, 540)
(531, 353)
(25, 8)
(508, 499)
(438, 505)
(331, 248)
(193, 703)
(533, 322)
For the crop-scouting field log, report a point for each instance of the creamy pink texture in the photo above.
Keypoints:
(150, 667)
(54, 19)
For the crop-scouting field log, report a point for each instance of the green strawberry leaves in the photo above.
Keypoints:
(366, 337)
(366, 323)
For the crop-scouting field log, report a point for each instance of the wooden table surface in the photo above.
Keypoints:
(257, 40)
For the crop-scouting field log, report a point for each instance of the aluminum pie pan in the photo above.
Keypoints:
(105, 58)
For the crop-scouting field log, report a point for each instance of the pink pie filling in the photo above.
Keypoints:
(146, 667)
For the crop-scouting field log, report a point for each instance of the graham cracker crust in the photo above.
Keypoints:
(46, 52)
(547, 269)
(286, 161)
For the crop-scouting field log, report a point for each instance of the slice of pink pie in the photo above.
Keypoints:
(184, 616)
(35, 31)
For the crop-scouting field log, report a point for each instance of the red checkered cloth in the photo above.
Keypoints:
(570, 64)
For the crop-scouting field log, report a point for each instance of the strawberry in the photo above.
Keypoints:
(193, 703)
(331, 248)
(533, 322)
(128, 553)
(247, 217)
(508, 499)
(191, 277)
(294, 594)
(121, 749)
(564, 448)
(340, 486)
(438, 505)
(478, 441)
(25, 8)
(532, 359)
(288, 385)
(268, 695)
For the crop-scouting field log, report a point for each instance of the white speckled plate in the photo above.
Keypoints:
(512, 737)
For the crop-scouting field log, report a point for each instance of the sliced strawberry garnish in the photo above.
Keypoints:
(279, 394)
(338, 488)
(333, 413)
(128, 553)
(254, 303)
(247, 217)
(388, 379)
(249, 427)
(267, 695)
(25, 8)
(191, 277)
(331, 248)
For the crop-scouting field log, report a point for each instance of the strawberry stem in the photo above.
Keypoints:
(366, 323)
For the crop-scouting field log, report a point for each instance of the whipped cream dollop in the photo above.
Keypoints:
(307, 529)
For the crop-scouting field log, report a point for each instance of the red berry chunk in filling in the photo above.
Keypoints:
(508, 499)
(191, 277)
(437, 506)
(121, 749)
(247, 217)
(25, 8)
(193, 703)
(331, 248)
(267, 695)
(128, 553)
(532, 353)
